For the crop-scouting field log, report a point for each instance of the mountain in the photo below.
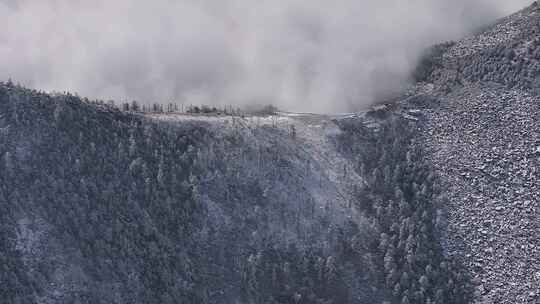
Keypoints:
(104, 206)
(432, 198)
(481, 111)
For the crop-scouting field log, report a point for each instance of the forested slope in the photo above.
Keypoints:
(97, 205)
(104, 206)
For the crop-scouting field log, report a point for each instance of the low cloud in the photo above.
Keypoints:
(303, 55)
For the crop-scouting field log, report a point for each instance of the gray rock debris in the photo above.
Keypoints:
(480, 145)
(483, 138)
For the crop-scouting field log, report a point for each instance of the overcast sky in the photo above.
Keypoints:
(303, 55)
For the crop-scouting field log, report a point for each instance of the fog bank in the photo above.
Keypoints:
(302, 55)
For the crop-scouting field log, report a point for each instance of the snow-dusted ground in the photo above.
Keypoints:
(307, 186)
(41, 250)
(313, 132)
(327, 177)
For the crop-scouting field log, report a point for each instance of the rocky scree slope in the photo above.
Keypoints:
(480, 124)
